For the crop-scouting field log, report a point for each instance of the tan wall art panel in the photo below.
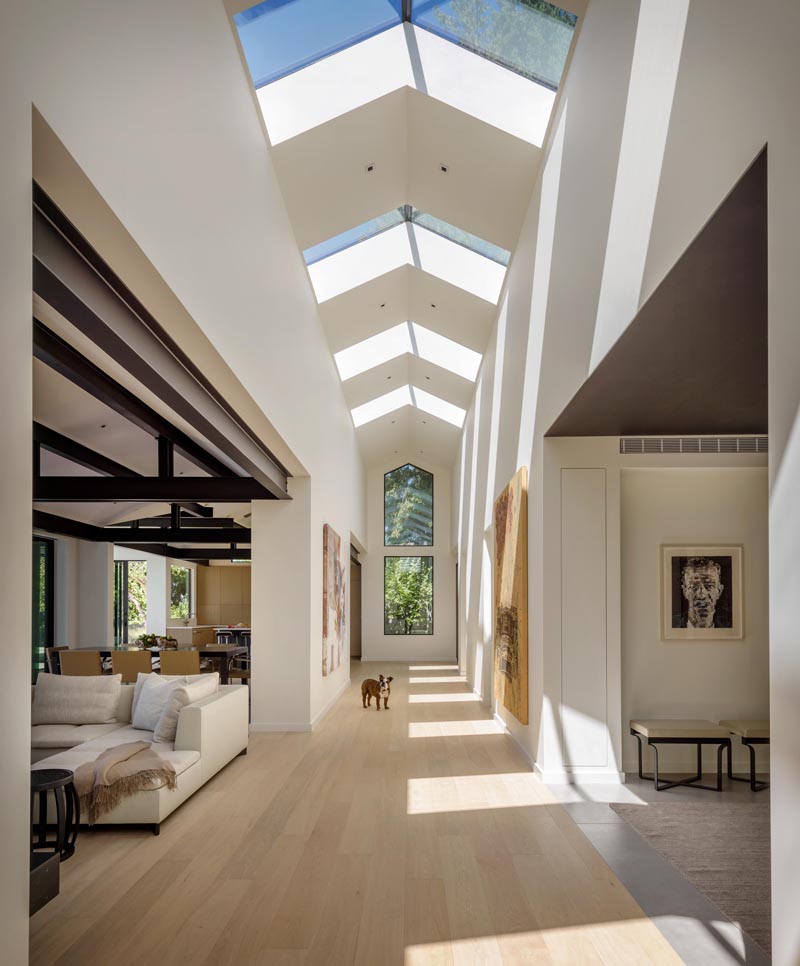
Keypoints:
(511, 597)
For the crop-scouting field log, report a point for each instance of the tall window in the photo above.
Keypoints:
(408, 507)
(180, 594)
(42, 603)
(408, 595)
(130, 600)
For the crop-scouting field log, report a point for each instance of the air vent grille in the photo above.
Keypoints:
(645, 445)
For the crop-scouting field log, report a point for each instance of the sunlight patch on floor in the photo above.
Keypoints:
(438, 680)
(466, 793)
(440, 698)
(452, 729)
(433, 667)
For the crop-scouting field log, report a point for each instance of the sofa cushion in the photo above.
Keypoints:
(142, 677)
(72, 758)
(78, 700)
(185, 694)
(154, 694)
(67, 736)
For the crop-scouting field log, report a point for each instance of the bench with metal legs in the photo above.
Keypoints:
(751, 733)
(682, 732)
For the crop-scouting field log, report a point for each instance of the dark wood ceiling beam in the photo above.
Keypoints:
(59, 355)
(190, 553)
(180, 489)
(179, 535)
(193, 523)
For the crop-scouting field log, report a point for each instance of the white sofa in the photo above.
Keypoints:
(211, 732)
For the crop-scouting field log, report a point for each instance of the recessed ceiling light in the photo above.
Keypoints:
(370, 167)
(428, 378)
(443, 168)
(432, 305)
(383, 305)
(388, 377)
(102, 425)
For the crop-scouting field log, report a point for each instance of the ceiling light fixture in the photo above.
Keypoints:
(443, 168)
(370, 167)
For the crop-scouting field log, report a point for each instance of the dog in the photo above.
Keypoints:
(376, 689)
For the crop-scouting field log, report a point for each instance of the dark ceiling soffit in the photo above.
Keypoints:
(58, 219)
(179, 489)
(66, 360)
(166, 521)
(694, 359)
(199, 554)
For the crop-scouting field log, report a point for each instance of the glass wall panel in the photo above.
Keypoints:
(407, 595)
(530, 37)
(281, 36)
(408, 507)
(180, 603)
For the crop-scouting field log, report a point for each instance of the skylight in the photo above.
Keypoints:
(280, 37)
(407, 213)
(408, 337)
(408, 396)
(530, 38)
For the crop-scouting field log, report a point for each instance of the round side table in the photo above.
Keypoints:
(58, 783)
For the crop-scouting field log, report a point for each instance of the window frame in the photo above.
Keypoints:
(413, 556)
(426, 546)
(189, 591)
(49, 601)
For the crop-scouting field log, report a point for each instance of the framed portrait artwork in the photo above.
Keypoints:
(701, 593)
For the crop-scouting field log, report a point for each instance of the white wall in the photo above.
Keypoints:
(441, 645)
(692, 679)
(175, 145)
(702, 134)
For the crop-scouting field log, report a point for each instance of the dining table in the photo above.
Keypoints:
(225, 652)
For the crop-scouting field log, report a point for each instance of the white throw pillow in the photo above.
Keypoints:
(75, 699)
(154, 694)
(142, 677)
(167, 726)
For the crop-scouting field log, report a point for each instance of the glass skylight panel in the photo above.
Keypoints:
(530, 37)
(445, 353)
(282, 36)
(373, 351)
(376, 408)
(460, 237)
(429, 403)
(354, 235)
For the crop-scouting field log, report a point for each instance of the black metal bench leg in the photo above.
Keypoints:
(755, 786)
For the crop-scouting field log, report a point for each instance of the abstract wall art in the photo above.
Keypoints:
(334, 603)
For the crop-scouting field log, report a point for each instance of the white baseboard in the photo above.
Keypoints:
(300, 725)
(522, 750)
(318, 718)
(580, 776)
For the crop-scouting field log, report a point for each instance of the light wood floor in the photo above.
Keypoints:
(413, 836)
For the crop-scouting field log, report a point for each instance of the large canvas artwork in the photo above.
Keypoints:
(333, 600)
(701, 593)
(511, 597)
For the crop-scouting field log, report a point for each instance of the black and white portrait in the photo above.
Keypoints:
(702, 591)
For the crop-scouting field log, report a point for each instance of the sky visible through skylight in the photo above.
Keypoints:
(408, 396)
(530, 37)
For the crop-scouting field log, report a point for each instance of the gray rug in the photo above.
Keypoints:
(723, 850)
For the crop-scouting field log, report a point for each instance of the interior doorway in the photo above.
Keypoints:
(355, 606)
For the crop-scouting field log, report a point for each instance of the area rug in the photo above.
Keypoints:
(723, 850)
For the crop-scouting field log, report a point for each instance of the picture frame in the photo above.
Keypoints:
(702, 592)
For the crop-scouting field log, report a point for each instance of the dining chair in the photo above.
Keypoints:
(239, 669)
(180, 662)
(224, 637)
(52, 665)
(130, 664)
(80, 663)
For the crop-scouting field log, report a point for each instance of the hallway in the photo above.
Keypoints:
(417, 836)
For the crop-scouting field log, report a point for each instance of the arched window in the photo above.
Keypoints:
(408, 507)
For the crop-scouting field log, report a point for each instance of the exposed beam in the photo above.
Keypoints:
(190, 523)
(166, 457)
(68, 528)
(66, 360)
(406, 11)
(181, 535)
(181, 489)
(190, 553)
(82, 455)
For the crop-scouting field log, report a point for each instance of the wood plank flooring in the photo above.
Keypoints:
(416, 836)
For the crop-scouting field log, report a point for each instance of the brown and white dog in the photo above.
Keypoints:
(376, 689)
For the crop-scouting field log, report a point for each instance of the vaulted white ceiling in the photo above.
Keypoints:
(422, 154)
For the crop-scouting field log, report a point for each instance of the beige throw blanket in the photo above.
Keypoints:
(118, 773)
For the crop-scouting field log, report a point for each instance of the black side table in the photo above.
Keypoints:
(48, 851)
(57, 781)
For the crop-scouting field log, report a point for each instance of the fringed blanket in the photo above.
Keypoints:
(118, 773)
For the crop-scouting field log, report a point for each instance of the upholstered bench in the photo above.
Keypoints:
(692, 731)
(752, 732)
